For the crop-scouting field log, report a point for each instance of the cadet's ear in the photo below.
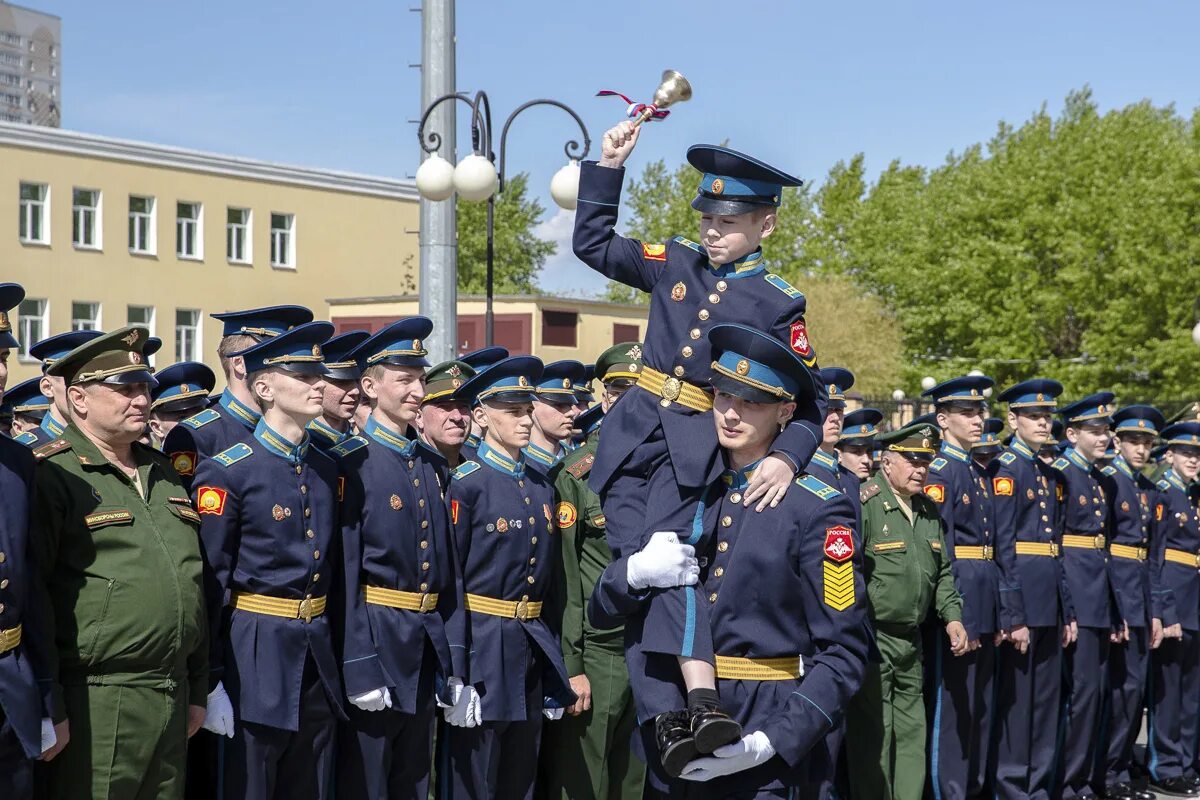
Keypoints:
(786, 410)
(479, 416)
(1012, 420)
(46, 388)
(262, 388)
(1072, 435)
(237, 368)
(769, 221)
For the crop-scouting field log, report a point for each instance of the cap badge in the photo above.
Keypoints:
(4, 324)
(523, 382)
(635, 351)
(566, 383)
(416, 344)
(718, 186)
(456, 383)
(184, 388)
(316, 351)
(743, 367)
(130, 339)
(1041, 397)
(678, 292)
(924, 443)
(454, 371)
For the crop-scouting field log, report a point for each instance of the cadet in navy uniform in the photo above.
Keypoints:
(960, 690)
(478, 361)
(342, 392)
(825, 464)
(989, 446)
(856, 447)
(1131, 508)
(1085, 565)
(26, 730)
(401, 584)
(1173, 691)
(1035, 609)
(52, 387)
(555, 407)
(182, 390)
(268, 510)
(508, 551)
(234, 417)
(27, 405)
(785, 598)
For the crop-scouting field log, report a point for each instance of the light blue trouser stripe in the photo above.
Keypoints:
(935, 747)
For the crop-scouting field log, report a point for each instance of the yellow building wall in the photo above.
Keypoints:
(345, 244)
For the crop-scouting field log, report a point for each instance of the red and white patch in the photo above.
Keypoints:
(839, 543)
(800, 339)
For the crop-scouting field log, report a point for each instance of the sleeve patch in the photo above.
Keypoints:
(839, 543)
(199, 420)
(231, 455)
(799, 339)
(211, 500)
(838, 585)
(820, 489)
(1002, 487)
(936, 492)
(1007, 458)
(184, 462)
(783, 286)
(464, 469)
(567, 514)
(454, 507)
(654, 252)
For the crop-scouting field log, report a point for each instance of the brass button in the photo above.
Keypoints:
(526, 501)
(308, 512)
(694, 333)
(726, 521)
(532, 520)
(736, 497)
(4, 583)
(425, 565)
(1045, 518)
(533, 560)
(712, 598)
(424, 587)
(664, 403)
(533, 540)
(687, 351)
(521, 484)
(416, 481)
(424, 523)
(297, 469)
(3, 557)
(411, 464)
(1, 608)
(303, 489)
(421, 503)
(531, 579)
(316, 555)
(424, 545)
(309, 533)
(719, 571)
(714, 298)
(316, 577)
(723, 546)
(722, 286)
(703, 313)
(678, 374)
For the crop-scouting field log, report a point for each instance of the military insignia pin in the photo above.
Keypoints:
(277, 512)
(135, 358)
(416, 344)
(743, 367)
(718, 186)
(634, 352)
(502, 525)
(678, 292)
(1125, 505)
(395, 502)
(1029, 494)
(131, 339)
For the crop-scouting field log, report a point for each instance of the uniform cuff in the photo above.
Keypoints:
(599, 184)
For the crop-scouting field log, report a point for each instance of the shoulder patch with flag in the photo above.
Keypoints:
(654, 252)
(1002, 487)
(211, 500)
(837, 569)
(799, 339)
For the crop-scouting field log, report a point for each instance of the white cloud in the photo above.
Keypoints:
(563, 273)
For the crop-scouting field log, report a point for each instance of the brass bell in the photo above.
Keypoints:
(672, 89)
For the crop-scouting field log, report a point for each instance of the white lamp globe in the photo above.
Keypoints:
(564, 186)
(435, 178)
(987, 392)
(475, 178)
(975, 373)
(928, 382)
(1196, 333)
(898, 395)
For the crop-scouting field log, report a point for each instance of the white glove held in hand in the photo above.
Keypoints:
(465, 713)
(218, 718)
(454, 687)
(662, 564)
(49, 737)
(753, 749)
(374, 700)
(552, 713)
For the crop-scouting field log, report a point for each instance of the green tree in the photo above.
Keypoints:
(517, 253)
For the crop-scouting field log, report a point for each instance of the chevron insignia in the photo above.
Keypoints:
(839, 584)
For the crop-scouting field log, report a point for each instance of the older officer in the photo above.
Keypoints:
(234, 417)
(509, 555)
(908, 574)
(445, 420)
(962, 688)
(53, 388)
(182, 390)
(1085, 564)
(121, 575)
(588, 754)
(268, 507)
(555, 407)
(857, 445)
(1173, 691)
(401, 584)
(25, 727)
(342, 392)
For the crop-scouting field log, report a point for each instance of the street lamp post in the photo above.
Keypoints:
(476, 177)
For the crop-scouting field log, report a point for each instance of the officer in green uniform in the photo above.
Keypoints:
(908, 571)
(587, 754)
(119, 555)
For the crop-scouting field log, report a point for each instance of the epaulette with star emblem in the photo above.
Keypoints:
(1008, 458)
(579, 463)
(47, 450)
(869, 491)
(464, 469)
(200, 419)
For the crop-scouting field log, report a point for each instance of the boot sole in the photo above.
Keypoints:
(678, 755)
(716, 733)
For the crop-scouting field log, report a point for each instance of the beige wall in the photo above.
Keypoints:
(346, 243)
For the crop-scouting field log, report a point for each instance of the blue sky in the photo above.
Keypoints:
(800, 84)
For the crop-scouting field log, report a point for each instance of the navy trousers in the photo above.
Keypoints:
(16, 769)
(1173, 697)
(1085, 675)
(267, 763)
(1030, 687)
(961, 729)
(386, 755)
(1128, 666)
(496, 760)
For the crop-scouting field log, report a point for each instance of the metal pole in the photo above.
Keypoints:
(439, 247)
(489, 321)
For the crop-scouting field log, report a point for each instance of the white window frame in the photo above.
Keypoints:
(247, 229)
(197, 234)
(96, 322)
(283, 240)
(150, 325)
(180, 336)
(25, 216)
(97, 227)
(27, 337)
(150, 246)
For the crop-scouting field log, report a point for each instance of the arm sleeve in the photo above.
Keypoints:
(612, 601)
(596, 242)
(949, 602)
(46, 529)
(569, 584)
(220, 538)
(834, 672)
(458, 625)
(1004, 511)
(803, 434)
(1162, 597)
(181, 440)
(361, 667)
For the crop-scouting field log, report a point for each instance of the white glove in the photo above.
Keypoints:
(753, 749)
(465, 713)
(49, 737)
(662, 564)
(218, 717)
(374, 700)
(553, 713)
(455, 685)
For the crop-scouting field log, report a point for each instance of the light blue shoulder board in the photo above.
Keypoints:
(783, 286)
(821, 490)
(231, 455)
(1007, 458)
(938, 463)
(464, 469)
(689, 243)
(349, 446)
(199, 420)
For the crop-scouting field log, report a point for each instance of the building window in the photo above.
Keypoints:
(189, 240)
(10, 99)
(559, 328)
(35, 322)
(11, 59)
(141, 225)
(187, 334)
(237, 235)
(8, 79)
(283, 241)
(8, 37)
(85, 218)
(141, 315)
(85, 316)
(623, 333)
(35, 213)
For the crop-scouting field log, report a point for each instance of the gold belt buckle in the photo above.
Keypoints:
(1054, 549)
(426, 604)
(987, 552)
(522, 612)
(670, 389)
(306, 610)
(1099, 545)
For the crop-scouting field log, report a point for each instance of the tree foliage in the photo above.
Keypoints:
(517, 255)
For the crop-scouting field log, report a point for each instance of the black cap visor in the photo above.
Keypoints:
(726, 208)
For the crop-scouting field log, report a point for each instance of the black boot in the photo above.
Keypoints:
(712, 727)
(1175, 787)
(676, 747)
